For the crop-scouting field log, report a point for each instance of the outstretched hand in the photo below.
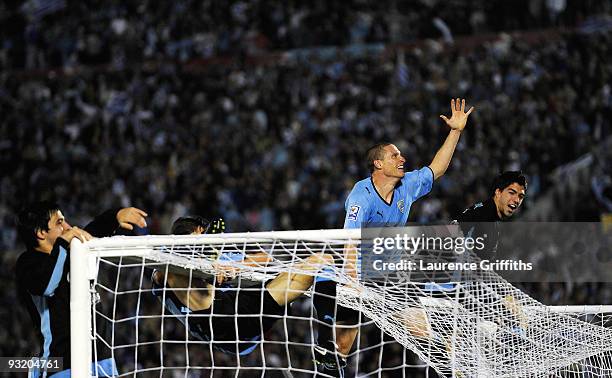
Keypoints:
(129, 217)
(458, 117)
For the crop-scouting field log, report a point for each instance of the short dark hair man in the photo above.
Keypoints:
(507, 195)
(383, 198)
(239, 318)
(195, 224)
(42, 271)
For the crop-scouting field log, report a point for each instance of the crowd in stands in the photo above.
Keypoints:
(278, 146)
(59, 33)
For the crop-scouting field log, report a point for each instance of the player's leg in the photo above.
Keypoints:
(329, 314)
(324, 302)
(414, 319)
(195, 298)
(345, 337)
(416, 322)
(338, 329)
(346, 328)
(288, 286)
(267, 306)
(519, 320)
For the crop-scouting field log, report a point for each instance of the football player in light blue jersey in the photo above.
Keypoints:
(387, 195)
(384, 198)
(365, 206)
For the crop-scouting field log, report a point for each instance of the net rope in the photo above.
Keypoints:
(479, 326)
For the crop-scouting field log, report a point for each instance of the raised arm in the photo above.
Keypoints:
(457, 122)
(107, 223)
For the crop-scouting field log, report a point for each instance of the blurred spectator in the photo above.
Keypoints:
(64, 33)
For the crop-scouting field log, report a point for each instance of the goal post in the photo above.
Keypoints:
(80, 309)
(455, 330)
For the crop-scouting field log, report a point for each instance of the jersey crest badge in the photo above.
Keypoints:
(401, 206)
(353, 212)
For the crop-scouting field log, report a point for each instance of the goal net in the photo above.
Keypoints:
(467, 328)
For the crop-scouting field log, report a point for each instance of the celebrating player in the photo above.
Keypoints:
(482, 218)
(42, 272)
(384, 198)
(233, 320)
(508, 193)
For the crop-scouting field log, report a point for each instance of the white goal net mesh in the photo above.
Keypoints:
(472, 328)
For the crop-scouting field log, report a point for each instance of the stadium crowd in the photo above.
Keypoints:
(60, 33)
(278, 145)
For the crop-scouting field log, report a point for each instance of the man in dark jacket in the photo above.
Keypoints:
(482, 218)
(43, 272)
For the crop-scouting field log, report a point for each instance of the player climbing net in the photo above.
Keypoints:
(472, 328)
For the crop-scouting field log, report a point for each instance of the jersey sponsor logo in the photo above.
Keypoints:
(353, 212)
(401, 206)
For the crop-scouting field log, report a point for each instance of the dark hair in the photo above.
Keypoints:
(33, 218)
(376, 152)
(187, 225)
(505, 179)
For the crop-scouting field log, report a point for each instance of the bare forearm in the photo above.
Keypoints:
(443, 157)
(350, 260)
(257, 259)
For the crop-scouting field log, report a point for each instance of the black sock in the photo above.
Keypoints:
(324, 301)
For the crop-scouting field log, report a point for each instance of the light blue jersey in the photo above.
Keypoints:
(365, 206)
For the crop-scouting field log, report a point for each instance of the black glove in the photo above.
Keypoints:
(216, 227)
